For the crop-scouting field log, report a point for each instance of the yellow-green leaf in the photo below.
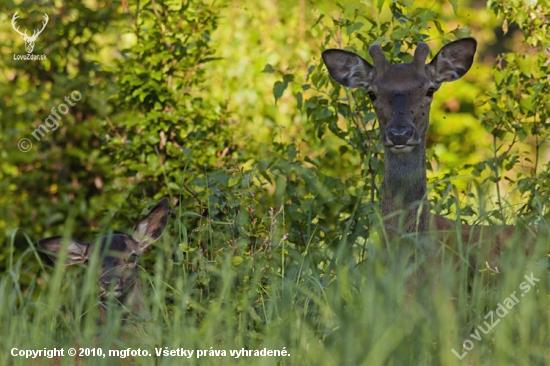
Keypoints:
(236, 260)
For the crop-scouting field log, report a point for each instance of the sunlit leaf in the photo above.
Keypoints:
(236, 260)
(278, 89)
(268, 69)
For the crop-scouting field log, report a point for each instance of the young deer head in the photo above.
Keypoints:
(401, 95)
(120, 253)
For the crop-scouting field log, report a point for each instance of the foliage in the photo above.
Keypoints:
(64, 169)
(519, 108)
(273, 171)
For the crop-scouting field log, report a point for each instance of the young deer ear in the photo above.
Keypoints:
(452, 61)
(149, 229)
(348, 69)
(77, 252)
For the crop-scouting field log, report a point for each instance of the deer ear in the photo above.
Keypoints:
(77, 252)
(452, 61)
(348, 69)
(150, 228)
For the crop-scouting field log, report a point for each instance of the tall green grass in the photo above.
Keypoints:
(358, 313)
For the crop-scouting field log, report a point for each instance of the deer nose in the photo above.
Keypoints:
(399, 133)
(105, 282)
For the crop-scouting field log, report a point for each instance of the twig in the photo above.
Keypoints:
(163, 172)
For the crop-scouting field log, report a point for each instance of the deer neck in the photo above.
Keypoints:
(404, 191)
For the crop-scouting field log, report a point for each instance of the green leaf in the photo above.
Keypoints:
(173, 186)
(185, 248)
(438, 27)
(321, 113)
(317, 21)
(520, 18)
(505, 26)
(278, 89)
(426, 14)
(454, 3)
(379, 5)
(234, 180)
(291, 152)
(299, 100)
(354, 27)
(156, 75)
(462, 32)
(288, 78)
(528, 103)
(525, 64)
(268, 69)
(236, 260)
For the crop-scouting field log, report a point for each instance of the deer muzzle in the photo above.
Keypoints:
(111, 284)
(401, 136)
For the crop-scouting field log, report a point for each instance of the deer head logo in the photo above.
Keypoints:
(29, 40)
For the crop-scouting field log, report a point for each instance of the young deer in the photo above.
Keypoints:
(118, 271)
(401, 95)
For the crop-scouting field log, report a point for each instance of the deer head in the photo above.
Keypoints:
(401, 94)
(29, 40)
(118, 271)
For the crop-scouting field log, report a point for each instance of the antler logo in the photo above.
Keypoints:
(29, 40)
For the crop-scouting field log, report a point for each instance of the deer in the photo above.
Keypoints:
(29, 40)
(401, 95)
(118, 272)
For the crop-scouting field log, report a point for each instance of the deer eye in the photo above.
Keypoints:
(372, 96)
(431, 92)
